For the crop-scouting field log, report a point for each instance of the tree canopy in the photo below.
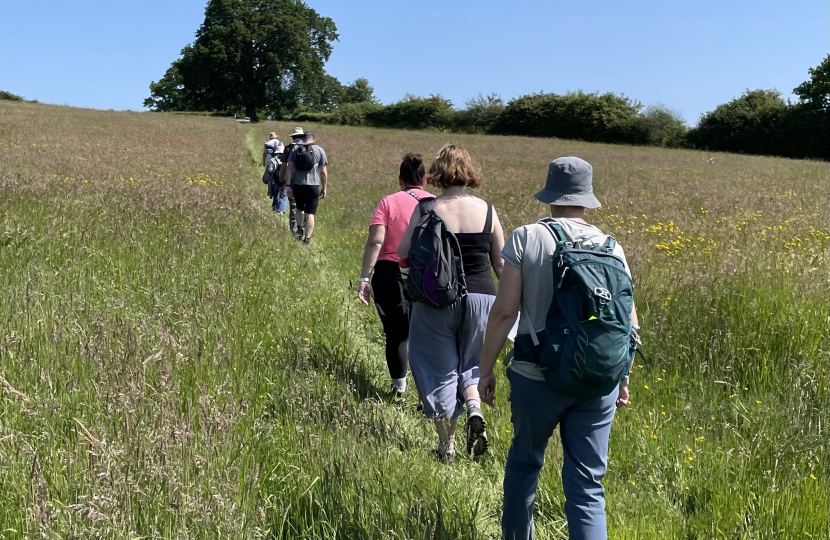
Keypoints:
(249, 55)
(816, 91)
(359, 91)
(749, 123)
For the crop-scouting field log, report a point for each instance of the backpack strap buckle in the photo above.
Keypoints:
(603, 294)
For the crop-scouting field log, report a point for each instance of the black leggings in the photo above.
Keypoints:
(393, 308)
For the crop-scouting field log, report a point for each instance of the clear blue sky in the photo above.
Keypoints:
(689, 55)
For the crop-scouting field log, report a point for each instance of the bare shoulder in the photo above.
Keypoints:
(479, 203)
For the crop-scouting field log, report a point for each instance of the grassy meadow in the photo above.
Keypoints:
(175, 365)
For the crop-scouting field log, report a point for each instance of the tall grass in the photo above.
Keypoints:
(176, 366)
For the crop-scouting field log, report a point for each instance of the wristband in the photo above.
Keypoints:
(363, 280)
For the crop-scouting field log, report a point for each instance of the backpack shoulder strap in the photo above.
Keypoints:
(609, 244)
(559, 235)
(488, 223)
(557, 230)
(426, 205)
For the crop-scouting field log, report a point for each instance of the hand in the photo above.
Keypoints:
(622, 399)
(487, 388)
(289, 192)
(323, 193)
(365, 292)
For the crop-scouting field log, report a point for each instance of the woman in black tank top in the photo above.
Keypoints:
(445, 344)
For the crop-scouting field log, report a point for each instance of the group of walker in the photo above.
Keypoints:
(297, 178)
(427, 265)
(577, 331)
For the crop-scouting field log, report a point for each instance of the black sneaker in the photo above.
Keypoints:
(300, 234)
(476, 433)
(306, 241)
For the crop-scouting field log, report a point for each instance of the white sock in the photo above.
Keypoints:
(473, 403)
(399, 384)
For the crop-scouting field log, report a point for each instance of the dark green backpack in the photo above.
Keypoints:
(588, 343)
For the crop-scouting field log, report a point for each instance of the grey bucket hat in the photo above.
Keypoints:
(569, 184)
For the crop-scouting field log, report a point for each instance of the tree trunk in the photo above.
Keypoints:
(250, 112)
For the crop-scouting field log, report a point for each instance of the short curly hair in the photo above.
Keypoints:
(453, 166)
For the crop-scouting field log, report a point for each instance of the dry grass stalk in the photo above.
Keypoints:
(92, 440)
(12, 390)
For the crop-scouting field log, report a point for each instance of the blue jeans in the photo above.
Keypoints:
(584, 427)
(279, 202)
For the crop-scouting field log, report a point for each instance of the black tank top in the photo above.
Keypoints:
(475, 252)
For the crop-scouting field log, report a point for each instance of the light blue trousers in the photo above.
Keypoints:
(584, 428)
(444, 352)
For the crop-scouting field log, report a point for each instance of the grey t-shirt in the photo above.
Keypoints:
(312, 177)
(530, 249)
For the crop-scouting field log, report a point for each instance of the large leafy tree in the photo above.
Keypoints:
(359, 91)
(251, 55)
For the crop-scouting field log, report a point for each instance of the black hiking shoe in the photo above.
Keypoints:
(300, 234)
(476, 433)
(306, 241)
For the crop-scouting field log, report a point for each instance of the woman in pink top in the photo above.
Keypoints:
(389, 222)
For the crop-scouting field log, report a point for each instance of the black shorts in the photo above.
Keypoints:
(307, 198)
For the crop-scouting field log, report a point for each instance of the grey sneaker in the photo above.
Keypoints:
(397, 394)
(446, 452)
(476, 433)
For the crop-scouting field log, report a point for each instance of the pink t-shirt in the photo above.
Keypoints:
(393, 212)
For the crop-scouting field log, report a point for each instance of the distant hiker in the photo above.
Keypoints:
(306, 168)
(571, 359)
(297, 136)
(447, 328)
(388, 224)
(272, 161)
(270, 147)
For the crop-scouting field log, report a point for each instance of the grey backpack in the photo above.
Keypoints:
(273, 165)
(436, 271)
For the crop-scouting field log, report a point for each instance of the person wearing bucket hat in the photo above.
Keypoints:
(536, 408)
(569, 183)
